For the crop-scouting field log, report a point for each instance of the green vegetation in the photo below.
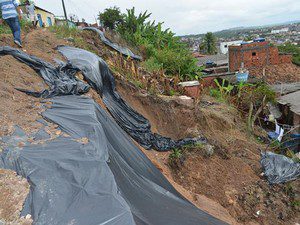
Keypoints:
(176, 158)
(111, 17)
(72, 34)
(245, 97)
(224, 90)
(161, 48)
(208, 45)
(25, 26)
(292, 49)
(4, 29)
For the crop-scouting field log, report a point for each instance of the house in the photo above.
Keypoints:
(45, 18)
(255, 55)
(290, 106)
(224, 45)
(82, 24)
(61, 21)
(283, 30)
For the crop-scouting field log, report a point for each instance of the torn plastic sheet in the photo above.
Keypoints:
(99, 76)
(122, 50)
(107, 180)
(279, 168)
(61, 81)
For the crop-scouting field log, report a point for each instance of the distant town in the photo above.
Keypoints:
(275, 34)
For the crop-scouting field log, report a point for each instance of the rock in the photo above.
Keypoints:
(209, 150)
(185, 100)
(181, 100)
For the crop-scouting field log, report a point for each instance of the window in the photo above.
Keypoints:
(253, 53)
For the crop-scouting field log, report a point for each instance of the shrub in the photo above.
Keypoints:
(161, 47)
(292, 49)
(152, 65)
(111, 17)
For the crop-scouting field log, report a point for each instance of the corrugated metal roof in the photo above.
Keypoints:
(292, 100)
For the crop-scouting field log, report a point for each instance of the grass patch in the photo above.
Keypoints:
(72, 34)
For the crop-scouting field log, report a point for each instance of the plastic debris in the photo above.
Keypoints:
(279, 168)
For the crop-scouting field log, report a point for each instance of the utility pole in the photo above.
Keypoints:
(64, 7)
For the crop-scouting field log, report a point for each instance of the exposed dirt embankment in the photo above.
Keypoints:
(231, 177)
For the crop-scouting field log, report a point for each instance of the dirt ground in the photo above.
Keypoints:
(17, 108)
(231, 178)
(227, 184)
(14, 190)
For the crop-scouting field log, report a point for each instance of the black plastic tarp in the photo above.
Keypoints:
(279, 168)
(106, 180)
(61, 81)
(123, 50)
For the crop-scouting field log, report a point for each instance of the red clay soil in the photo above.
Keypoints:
(230, 179)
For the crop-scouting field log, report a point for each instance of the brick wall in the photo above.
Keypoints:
(255, 56)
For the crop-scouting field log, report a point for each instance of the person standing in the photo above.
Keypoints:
(30, 9)
(11, 17)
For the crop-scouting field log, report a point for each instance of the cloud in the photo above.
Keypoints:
(190, 16)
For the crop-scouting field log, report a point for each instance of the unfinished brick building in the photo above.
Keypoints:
(255, 56)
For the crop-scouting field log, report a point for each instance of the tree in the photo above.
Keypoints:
(111, 17)
(208, 45)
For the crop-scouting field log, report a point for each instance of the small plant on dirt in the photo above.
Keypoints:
(72, 34)
(222, 92)
(4, 29)
(138, 84)
(225, 90)
(175, 158)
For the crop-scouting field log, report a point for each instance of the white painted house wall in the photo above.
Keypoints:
(224, 45)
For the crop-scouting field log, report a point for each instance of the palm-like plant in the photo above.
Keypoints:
(208, 45)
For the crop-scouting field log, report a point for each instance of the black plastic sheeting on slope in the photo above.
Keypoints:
(96, 72)
(61, 79)
(99, 76)
(279, 168)
(122, 50)
(105, 181)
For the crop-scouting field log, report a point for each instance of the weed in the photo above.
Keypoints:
(172, 92)
(295, 203)
(151, 65)
(176, 153)
(176, 158)
(73, 34)
(138, 83)
(4, 29)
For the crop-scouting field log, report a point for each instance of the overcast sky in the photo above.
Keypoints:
(189, 16)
